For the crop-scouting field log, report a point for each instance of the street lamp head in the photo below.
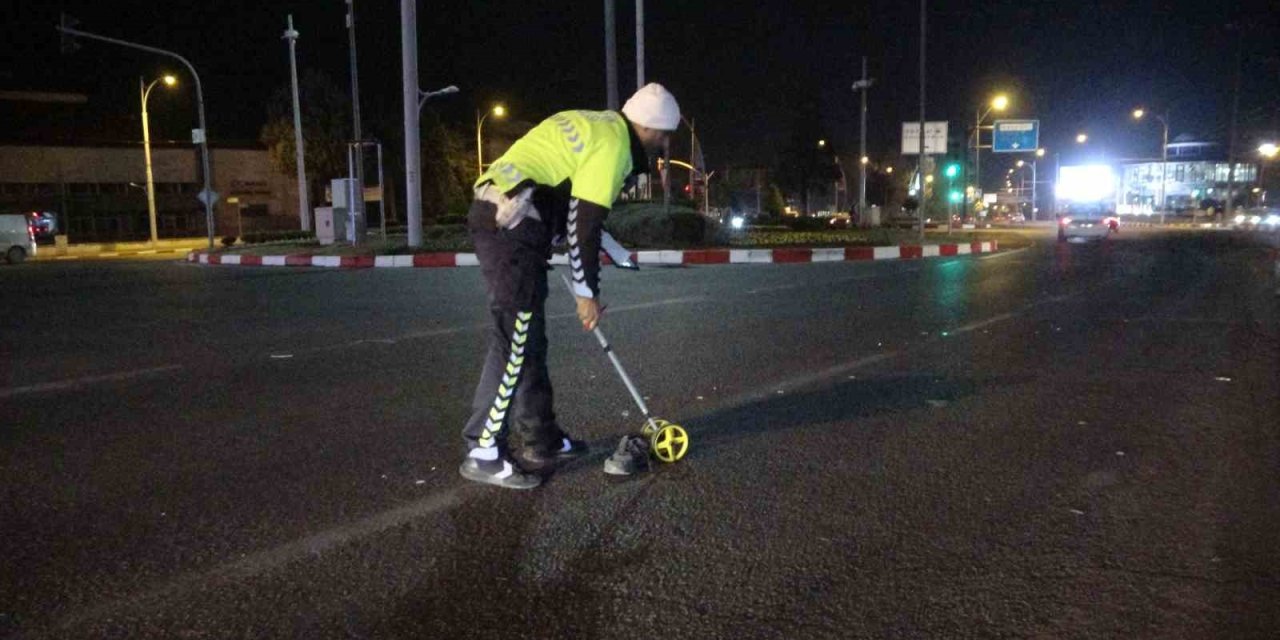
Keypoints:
(1138, 113)
(1020, 163)
(865, 160)
(822, 143)
(1000, 102)
(888, 169)
(1268, 149)
(170, 80)
(1039, 153)
(1082, 138)
(499, 111)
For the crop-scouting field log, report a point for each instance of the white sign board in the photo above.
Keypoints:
(935, 138)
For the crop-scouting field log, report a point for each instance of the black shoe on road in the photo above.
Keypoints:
(499, 473)
(631, 457)
(537, 458)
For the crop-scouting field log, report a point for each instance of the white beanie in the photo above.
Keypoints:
(653, 107)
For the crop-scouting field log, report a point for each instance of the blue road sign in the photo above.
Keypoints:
(1015, 136)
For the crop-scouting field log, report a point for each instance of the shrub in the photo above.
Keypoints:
(651, 225)
(259, 237)
(806, 223)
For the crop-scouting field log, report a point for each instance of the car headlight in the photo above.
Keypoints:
(736, 222)
(1239, 219)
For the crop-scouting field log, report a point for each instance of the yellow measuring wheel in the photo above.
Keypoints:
(669, 441)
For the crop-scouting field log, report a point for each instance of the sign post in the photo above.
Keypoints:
(1015, 136)
(935, 138)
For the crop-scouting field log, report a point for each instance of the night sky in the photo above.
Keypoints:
(754, 76)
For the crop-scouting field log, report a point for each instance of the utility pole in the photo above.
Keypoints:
(356, 214)
(644, 187)
(922, 159)
(304, 206)
(412, 109)
(862, 85)
(639, 44)
(610, 56)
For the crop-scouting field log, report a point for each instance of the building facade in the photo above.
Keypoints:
(99, 192)
(1188, 184)
(1196, 176)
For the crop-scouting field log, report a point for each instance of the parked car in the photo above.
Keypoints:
(17, 238)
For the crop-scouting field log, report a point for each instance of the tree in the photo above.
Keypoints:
(326, 127)
(774, 203)
(448, 169)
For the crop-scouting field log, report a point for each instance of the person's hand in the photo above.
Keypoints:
(589, 310)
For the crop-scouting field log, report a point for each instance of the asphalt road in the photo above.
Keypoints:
(1068, 441)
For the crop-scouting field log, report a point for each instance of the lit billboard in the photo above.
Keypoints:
(1086, 183)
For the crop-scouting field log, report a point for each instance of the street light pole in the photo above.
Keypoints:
(412, 136)
(1164, 167)
(208, 196)
(356, 206)
(304, 204)
(862, 85)
(1164, 158)
(145, 91)
(1035, 181)
(497, 111)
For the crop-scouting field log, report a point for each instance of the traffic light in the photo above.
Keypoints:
(951, 170)
(955, 196)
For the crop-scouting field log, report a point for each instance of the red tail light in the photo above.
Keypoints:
(1065, 221)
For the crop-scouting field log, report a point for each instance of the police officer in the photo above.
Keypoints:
(559, 181)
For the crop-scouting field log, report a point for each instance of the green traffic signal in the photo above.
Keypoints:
(952, 170)
(955, 195)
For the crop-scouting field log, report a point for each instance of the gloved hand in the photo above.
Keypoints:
(589, 311)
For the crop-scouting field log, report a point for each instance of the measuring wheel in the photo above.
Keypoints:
(669, 441)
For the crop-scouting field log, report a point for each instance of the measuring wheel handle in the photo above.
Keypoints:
(652, 426)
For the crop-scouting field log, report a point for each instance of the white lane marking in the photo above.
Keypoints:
(436, 333)
(869, 276)
(73, 383)
(784, 287)
(844, 368)
(1004, 254)
(262, 562)
(973, 326)
(830, 372)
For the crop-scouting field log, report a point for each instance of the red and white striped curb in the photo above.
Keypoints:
(671, 257)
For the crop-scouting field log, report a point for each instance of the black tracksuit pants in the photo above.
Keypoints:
(514, 387)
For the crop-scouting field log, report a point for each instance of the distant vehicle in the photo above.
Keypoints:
(17, 238)
(1259, 219)
(1086, 228)
(44, 224)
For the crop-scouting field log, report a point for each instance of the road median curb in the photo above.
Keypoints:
(786, 255)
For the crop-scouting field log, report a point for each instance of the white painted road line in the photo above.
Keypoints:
(74, 383)
(262, 562)
(1004, 254)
